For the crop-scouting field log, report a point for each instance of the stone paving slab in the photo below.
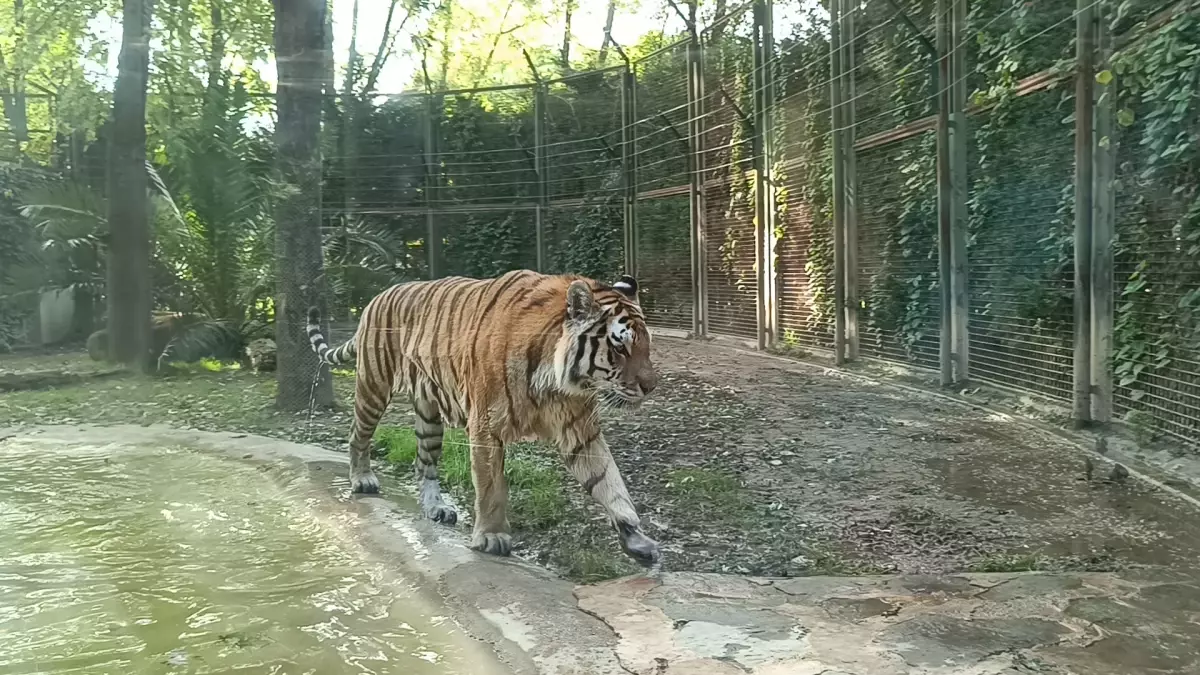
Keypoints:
(1143, 620)
(974, 624)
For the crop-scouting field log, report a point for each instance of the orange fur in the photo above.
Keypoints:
(523, 356)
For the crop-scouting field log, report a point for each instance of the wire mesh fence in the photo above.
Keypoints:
(664, 159)
(896, 180)
(728, 183)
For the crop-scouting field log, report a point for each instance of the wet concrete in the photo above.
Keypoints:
(1145, 620)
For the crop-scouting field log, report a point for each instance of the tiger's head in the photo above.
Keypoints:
(607, 343)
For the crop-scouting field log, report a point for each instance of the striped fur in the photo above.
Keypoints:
(520, 357)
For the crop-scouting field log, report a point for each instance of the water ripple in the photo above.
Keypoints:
(126, 559)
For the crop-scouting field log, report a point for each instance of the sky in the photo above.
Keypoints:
(634, 19)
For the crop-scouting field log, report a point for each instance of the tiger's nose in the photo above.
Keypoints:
(648, 382)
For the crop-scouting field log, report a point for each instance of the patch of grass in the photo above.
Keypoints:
(826, 560)
(1040, 562)
(536, 498)
(400, 445)
(1012, 562)
(203, 365)
(710, 490)
(207, 396)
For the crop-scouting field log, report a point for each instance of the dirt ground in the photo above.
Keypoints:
(744, 463)
(748, 464)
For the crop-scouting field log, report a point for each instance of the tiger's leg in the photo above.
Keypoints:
(370, 400)
(491, 531)
(588, 459)
(428, 428)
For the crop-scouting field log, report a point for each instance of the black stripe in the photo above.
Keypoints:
(574, 454)
(591, 483)
(516, 276)
(366, 396)
(573, 371)
(595, 352)
(533, 359)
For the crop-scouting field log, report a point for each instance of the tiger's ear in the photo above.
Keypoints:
(581, 304)
(628, 286)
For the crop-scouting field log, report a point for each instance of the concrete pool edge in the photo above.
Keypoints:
(682, 623)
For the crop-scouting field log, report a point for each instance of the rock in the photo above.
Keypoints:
(939, 641)
(260, 355)
(1119, 473)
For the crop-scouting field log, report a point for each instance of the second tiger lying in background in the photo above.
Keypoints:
(524, 356)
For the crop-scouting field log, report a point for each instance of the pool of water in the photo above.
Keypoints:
(126, 559)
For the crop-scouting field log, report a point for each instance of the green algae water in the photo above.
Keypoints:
(126, 559)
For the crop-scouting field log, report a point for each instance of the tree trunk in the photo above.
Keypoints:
(565, 55)
(13, 98)
(608, 24)
(299, 49)
(329, 86)
(129, 294)
(348, 143)
(719, 13)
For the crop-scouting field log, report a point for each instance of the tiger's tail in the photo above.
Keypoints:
(334, 357)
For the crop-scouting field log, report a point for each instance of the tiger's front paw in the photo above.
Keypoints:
(365, 483)
(638, 546)
(495, 543)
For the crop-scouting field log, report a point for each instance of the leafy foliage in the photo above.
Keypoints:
(1157, 328)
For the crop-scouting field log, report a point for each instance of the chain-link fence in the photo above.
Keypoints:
(994, 190)
(929, 197)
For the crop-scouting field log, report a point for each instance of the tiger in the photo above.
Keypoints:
(523, 356)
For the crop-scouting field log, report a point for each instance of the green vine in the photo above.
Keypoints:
(1157, 322)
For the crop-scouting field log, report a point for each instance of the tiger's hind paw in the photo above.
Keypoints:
(365, 484)
(495, 543)
(442, 513)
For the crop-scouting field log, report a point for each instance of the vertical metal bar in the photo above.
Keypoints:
(629, 165)
(836, 139)
(1103, 231)
(1084, 106)
(539, 169)
(850, 158)
(764, 193)
(959, 179)
(695, 107)
(433, 237)
(944, 197)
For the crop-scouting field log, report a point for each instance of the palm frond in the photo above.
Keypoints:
(159, 188)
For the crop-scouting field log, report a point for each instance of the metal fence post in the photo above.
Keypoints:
(945, 190)
(433, 107)
(764, 188)
(696, 204)
(959, 137)
(1103, 230)
(629, 165)
(850, 159)
(539, 169)
(836, 140)
(1084, 105)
